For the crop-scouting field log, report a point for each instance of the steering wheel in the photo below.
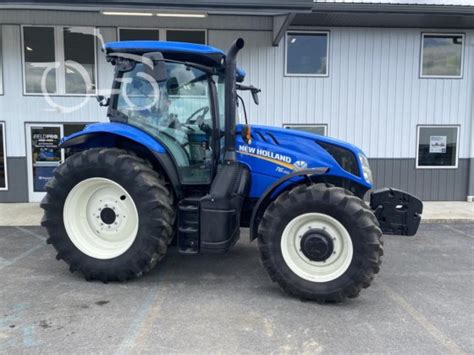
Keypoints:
(191, 119)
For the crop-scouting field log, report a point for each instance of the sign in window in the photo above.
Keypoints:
(437, 147)
(45, 152)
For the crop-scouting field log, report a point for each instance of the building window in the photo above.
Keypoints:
(3, 158)
(438, 147)
(59, 60)
(1, 63)
(307, 54)
(442, 55)
(193, 36)
(177, 35)
(138, 34)
(321, 129)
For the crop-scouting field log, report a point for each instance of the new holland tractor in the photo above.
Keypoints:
(173, 165)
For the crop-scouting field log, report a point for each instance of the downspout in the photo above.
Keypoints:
(231, 99)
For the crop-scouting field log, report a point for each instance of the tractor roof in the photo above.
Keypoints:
(171, 50)
(189, 52)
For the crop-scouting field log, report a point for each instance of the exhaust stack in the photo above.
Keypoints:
(231, 98)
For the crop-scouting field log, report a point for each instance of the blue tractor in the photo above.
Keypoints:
(173, 165)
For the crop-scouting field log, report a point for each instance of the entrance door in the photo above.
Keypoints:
(43, 155)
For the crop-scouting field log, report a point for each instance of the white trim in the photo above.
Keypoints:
(418, 142)
(325, 126)
(4, 140)
(441, 34)
(327, 33)
(59, 58)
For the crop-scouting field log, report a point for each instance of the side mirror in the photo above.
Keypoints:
(155, 66)
(102, 100)
(255, 96)
(246, 133)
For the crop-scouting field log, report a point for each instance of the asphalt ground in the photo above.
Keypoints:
(421, 302)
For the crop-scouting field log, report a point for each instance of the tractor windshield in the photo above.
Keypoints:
(175, 111)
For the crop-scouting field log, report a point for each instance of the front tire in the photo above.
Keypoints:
(108, 214)
(320, 243)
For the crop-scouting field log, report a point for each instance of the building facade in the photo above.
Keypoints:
(396, 80)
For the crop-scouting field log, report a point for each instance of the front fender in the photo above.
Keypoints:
(265, 199)
(81, 139)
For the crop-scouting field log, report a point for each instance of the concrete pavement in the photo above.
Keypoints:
(420, 303)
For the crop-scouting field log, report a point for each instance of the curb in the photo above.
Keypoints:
(447, 220)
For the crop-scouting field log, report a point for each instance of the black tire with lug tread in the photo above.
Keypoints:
(153, 201)
(355, 216)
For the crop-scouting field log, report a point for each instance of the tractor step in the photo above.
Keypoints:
(188, 225)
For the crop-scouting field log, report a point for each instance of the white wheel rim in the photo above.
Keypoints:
(86, 206)
(316, 271)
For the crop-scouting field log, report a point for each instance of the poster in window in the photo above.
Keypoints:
(46, 154)
(438, 144)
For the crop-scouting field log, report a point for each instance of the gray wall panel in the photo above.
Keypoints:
(17, 181)
(428, 184)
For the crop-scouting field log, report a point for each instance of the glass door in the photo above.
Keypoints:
(43, 155)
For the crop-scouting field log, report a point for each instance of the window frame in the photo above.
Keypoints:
(163, 31)
(1, 60)
(3, 124)
(59, 57)
(328, 34)
(441, 34)
(325, 126)
(418, 129)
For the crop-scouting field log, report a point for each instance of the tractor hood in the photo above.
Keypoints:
(280, 151)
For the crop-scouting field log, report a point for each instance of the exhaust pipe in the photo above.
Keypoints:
(231, 99)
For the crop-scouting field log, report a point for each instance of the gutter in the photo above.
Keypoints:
(394, 8)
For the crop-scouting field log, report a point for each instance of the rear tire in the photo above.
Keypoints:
(108, 214)
(352, 243)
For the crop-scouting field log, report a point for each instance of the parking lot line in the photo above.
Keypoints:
(21, 256)
(31, 233)
(442, 338)
(143, 323)
(454, 229)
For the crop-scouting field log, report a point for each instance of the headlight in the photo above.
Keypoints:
(344, 157)
(364, 162)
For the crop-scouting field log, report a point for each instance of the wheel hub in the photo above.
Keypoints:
(108, 216)
(317, 245)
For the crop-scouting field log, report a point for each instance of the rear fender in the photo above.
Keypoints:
(127, 137)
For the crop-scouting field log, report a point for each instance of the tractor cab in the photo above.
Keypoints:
(175, 92)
